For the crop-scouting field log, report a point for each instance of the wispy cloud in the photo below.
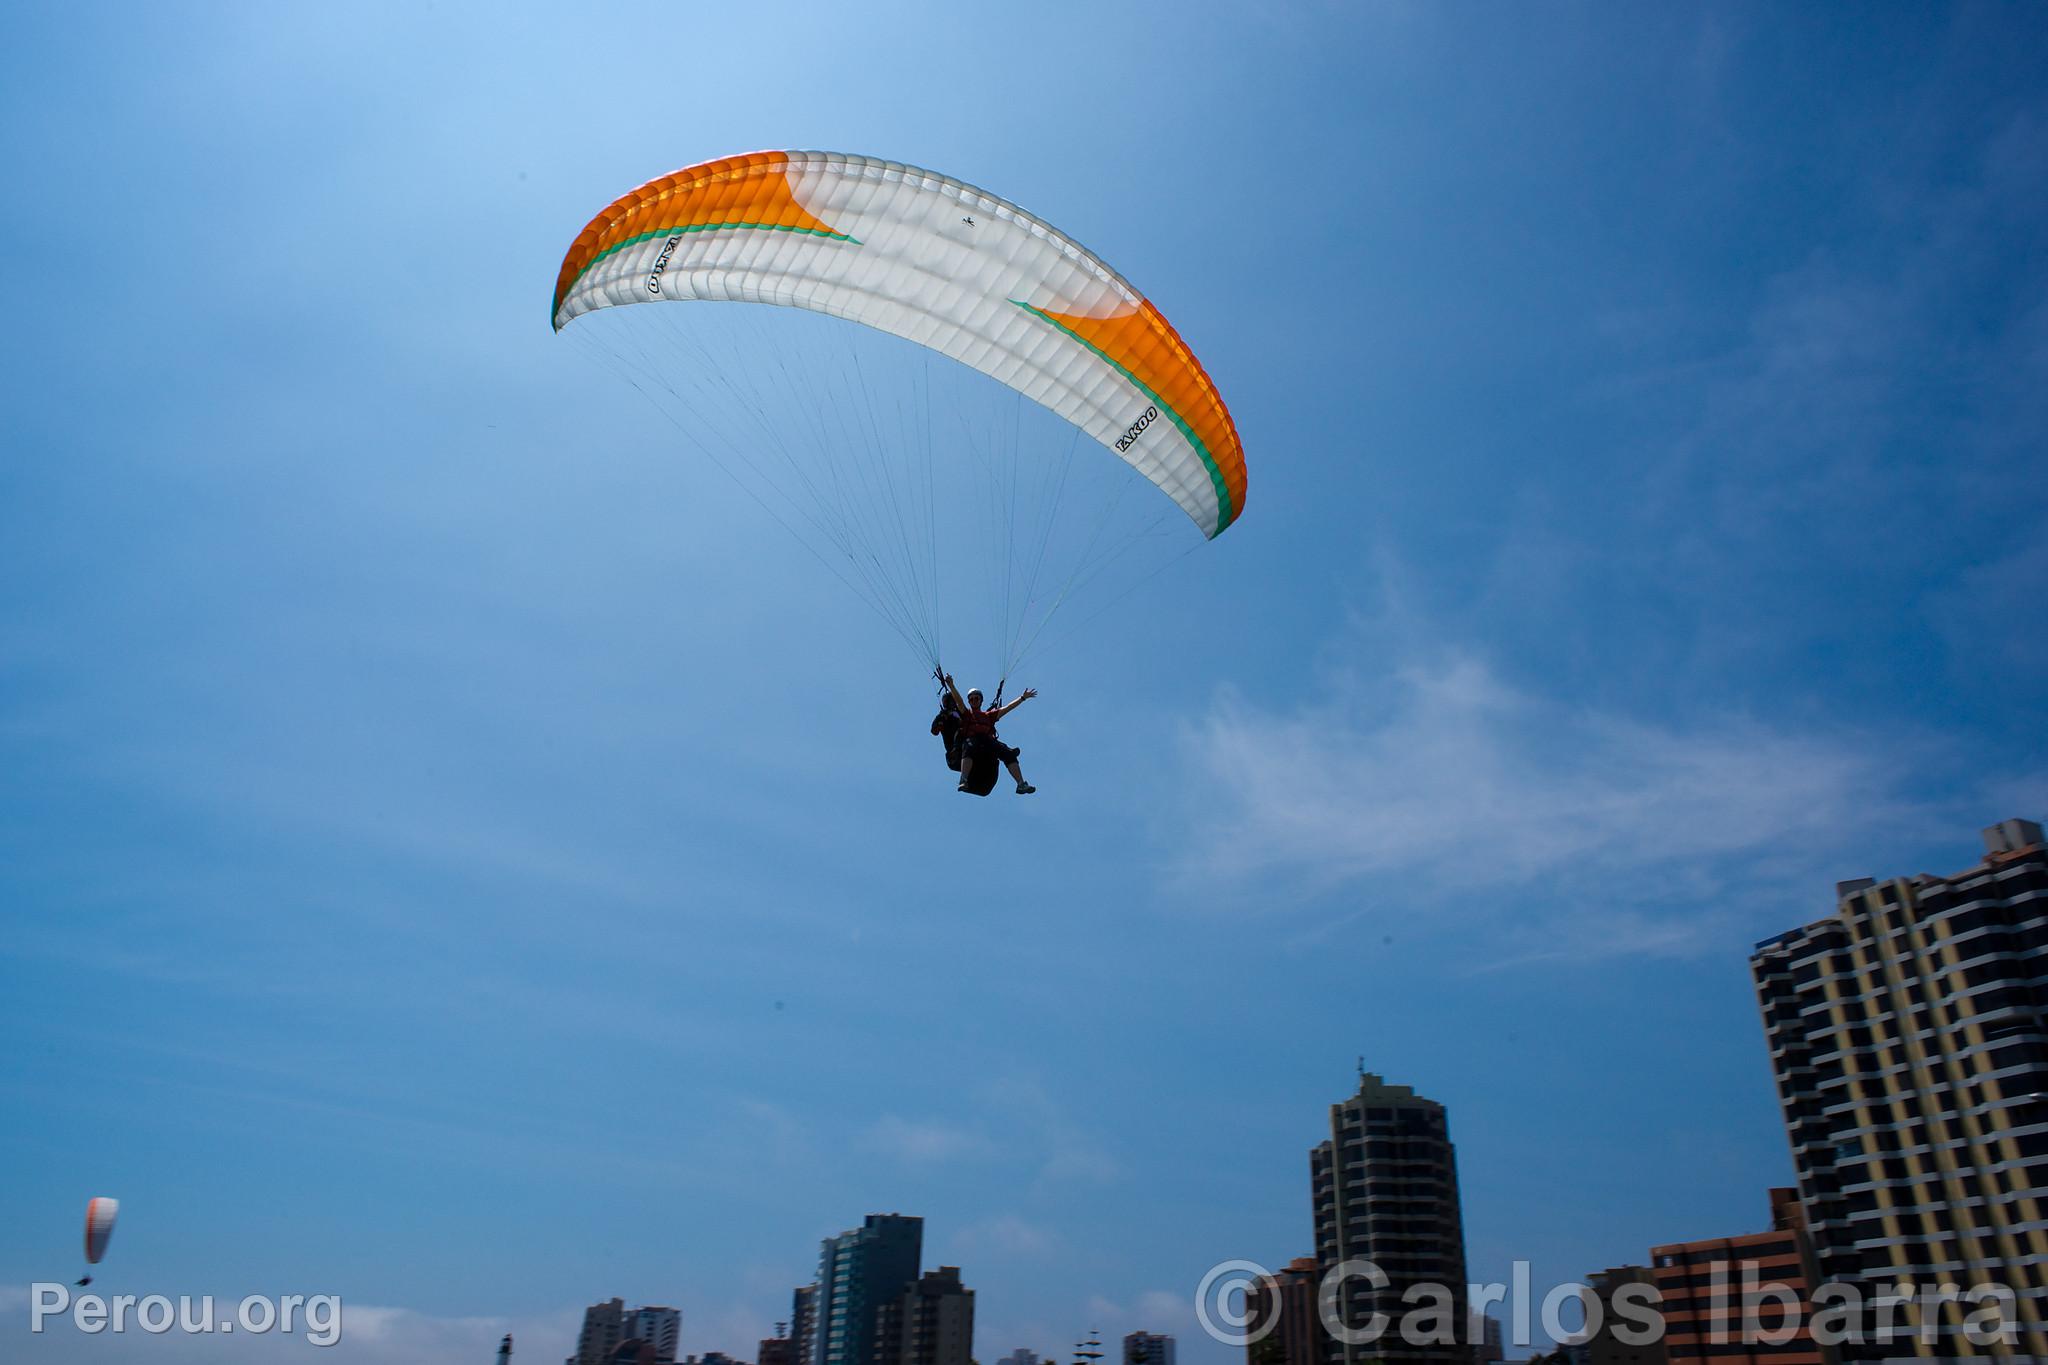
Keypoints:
(1007, 1235)
(1450, 758)
(1443, 784)
(921, 1141)
(1064, 1151)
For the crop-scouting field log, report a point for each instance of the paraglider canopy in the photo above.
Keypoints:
(99, 1227)
(100, 1213)
(903, 475)
(938, 262)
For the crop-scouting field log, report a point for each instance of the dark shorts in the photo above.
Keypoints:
(986, 746)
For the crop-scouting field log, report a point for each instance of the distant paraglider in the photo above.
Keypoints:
(100, 1214)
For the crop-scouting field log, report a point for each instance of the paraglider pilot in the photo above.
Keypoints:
(977, 734)
(946, 725)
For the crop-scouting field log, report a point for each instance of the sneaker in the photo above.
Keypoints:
(1025, 789)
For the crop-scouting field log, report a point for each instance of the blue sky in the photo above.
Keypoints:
(457, 854)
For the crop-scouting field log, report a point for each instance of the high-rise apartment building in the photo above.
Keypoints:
(607, 1326)
(1907, 1034)
(803, 1325)
(1625, 1295)
(1148, 1348)
(1488, 1341)
(1385, 1192)
(860, 1272)
(1282, 1307)
(931, 1324)
(660, 1327)
(603, 1330)
(1743, 1300)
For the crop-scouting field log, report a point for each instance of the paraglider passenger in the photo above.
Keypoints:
(978, 741)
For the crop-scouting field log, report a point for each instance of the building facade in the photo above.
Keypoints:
(1385, 1192)
(1907, 1034)
(660, 1327)
(803, 1325)
(1148, 1348)
(608, 1326)
(1282, 1308)
(1739, 1299)
(1488, 1342)
(860, 1272)
(603, 1329)
(1612, 1341)
(933, 1323)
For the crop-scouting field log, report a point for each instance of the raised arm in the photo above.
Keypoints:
(1007, 707)
(959, 702)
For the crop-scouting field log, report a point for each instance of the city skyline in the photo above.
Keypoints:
(1389, 1156)
(871, 1265)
